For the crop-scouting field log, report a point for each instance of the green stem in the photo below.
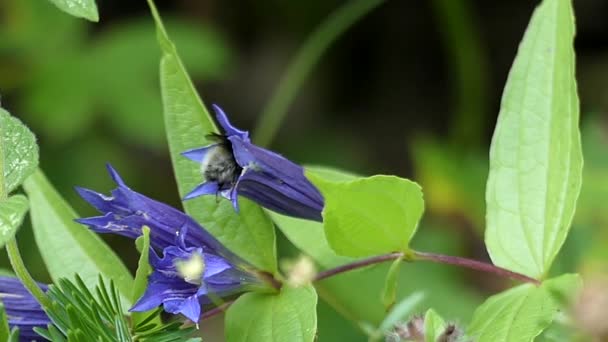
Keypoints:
(307, 56)
(22, 273)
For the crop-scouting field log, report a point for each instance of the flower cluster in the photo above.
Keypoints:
(234, 166)
(22, 309)
(194, 266)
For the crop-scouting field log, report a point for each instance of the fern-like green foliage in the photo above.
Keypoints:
(78, 315)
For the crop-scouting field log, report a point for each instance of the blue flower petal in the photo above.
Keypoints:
(207, 188)
(22, 309)
(222, 119)
(198, 154)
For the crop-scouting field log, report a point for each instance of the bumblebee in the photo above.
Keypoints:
(219, 164)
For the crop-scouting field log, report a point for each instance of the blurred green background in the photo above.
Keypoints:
(412, 89)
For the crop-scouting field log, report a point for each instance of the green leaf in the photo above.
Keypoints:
(535, 157)
(141, 275)
(434, 326)
(288, 316)
(12, 212)
(86, 9)
(249, 233)
(69, 248)
(4, 328)
(389, 292)
(18, 152)
(370, 216)
(402, 309)
(523, 312)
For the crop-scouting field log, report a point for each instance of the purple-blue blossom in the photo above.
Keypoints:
(22, 309)
(234, 166)
(125, 212)
(184, 277)
(194, 266)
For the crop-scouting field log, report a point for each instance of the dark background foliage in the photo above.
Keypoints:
(413, 89)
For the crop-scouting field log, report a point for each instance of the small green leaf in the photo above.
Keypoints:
(434, 326)
(12, 212)
(535, 158)
(249, 233)
(86, 9)
(372, 215)
(69, 248)
(523, 312)
(4, 328)
(402, 309)
(18, 152)
(288, 316)
(389, 292)
(141, 275)
(14, 337)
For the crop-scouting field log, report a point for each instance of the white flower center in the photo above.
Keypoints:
(192, 269)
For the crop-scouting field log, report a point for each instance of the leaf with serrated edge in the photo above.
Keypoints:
(12, 212)
(369, 216)
(249, 233)
(67, 247)
(523, 312)
(19, 151)
(535, 157)
(86, 9)
(288, 316)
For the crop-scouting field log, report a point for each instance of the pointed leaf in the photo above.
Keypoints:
(434, 326)
(288, 316)
(141, 275)
(401, 310)
(86, 9)
(371, 215)
(12, 212)
(535, 157)
(18, 152)
(69, 248)
(523, 312)
(249, 233)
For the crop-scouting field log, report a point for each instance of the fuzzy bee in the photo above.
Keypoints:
(219, 164)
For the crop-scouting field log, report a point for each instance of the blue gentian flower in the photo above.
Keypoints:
(22, 309)
(234, 166)
(194, 266)
(185, 277)
(125, 212)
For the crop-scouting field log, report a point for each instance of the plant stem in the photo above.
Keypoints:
(358, 264)
(307, 56)
(22, 273)
(473, 264)
(216, 310)
(423, 256)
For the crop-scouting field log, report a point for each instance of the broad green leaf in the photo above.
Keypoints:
(69, 248)
(86, 9)
(523, 312)
(535, 157)
(361, 302)
(288, 316)
(18, 152)
(370, 216)
(434, 326)
(4, 328)
(249, 233)
(12, 211)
